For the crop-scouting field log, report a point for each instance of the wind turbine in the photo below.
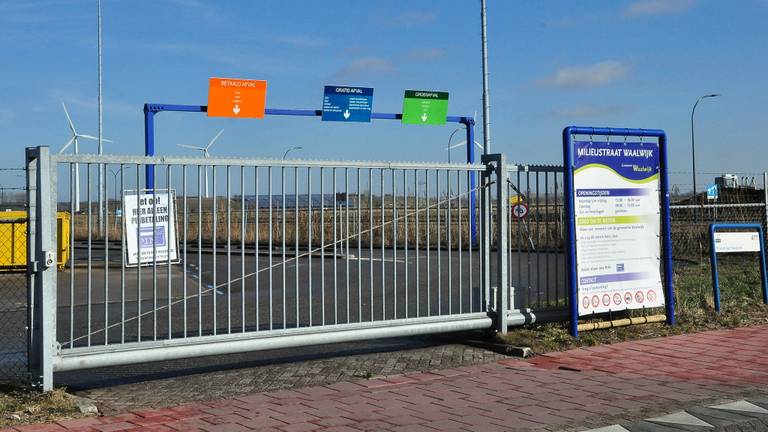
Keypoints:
(459, 144)
(206, 155)
(75, 139)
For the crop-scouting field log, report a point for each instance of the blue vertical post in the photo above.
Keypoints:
(713, 265)
(763, 270)
(470, 126)
(666, 234)
(149, 145)
(570, 235)
(713, 258)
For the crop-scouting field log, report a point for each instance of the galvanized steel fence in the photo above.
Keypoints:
(278, 254)
(284, 253)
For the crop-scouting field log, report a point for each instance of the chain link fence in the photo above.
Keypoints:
(13, 299)
(690, 226)
(721, 198)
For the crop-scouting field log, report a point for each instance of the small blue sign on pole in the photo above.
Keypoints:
(347, 104)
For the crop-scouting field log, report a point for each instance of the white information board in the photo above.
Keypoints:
(737, 242)
(150, 228)
(617, 212)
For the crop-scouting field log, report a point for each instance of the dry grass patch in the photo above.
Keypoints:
(22, 406)
(741, 305)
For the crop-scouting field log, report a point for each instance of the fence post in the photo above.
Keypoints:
(41, 266)
(502, 207)
(485, 240)
(500, 230)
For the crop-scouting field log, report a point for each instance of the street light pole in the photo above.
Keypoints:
(102, 193)
(292, 148)
(449, 143)
(693, 142)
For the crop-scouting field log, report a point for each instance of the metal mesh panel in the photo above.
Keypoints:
(13, 300)
(536, 259)
(690, 226)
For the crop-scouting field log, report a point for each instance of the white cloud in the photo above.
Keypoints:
(657, 7)
(6, 116)
(414, 18)
(302, 41)
(589, 111)
(424, 54)
(598, 74)
(365, 66)
(240, 57)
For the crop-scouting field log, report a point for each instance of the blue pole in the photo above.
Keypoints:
(666, 234)
(470, 124)
(570, 228)
(149, 145)
(763, 272)
(713, 265)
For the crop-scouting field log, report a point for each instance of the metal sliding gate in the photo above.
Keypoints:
(276, 254)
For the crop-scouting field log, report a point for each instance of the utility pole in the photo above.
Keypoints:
(486, 107)
(102, 167)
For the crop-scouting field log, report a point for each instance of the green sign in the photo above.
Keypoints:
(425, 107)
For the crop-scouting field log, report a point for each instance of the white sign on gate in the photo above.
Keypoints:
(150, 227)
(737, 242)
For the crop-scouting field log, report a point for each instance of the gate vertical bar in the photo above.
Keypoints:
(502, 208)
(485, 244)
(41, 267)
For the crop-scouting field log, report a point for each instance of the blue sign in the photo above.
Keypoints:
(347, 104)
(712, 191)
(146, 240)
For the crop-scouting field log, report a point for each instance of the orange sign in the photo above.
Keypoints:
(229, 97)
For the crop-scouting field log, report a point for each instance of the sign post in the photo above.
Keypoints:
(736, 242)
(618, 207)
(425, 107)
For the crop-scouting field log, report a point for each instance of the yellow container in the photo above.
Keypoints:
(13, 240)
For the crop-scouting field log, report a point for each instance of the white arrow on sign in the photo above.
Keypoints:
(236, 109)
(346, 114)
(423, 117)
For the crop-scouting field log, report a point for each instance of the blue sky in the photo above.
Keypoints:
(599, 63)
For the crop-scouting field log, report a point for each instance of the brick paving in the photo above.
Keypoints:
(585, 387)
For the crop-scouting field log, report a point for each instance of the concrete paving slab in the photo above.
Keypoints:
(742, 406)
(680, 418)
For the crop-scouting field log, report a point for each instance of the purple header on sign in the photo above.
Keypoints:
(631, 160)
(611, 192)
(614, 277)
